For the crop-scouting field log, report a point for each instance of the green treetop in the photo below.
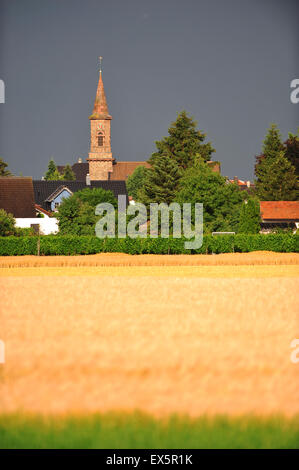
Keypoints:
(136, 181)
(250, 218)
(3, 169)
(7, 223)
(52, 174)
(272, 145)
(161, 182)
(276, 176)
(76, 214)
(278, 180)
(292, 150)
(221, 200)
(185, 144)
(94, 196)
(68, 174)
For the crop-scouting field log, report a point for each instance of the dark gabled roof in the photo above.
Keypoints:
(16, 196)
(43, 189)
(80, 170)
(57, 191)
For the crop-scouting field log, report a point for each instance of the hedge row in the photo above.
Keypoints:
(75, 245)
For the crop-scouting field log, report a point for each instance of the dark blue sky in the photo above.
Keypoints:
(229, 63)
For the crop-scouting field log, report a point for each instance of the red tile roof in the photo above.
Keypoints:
(121, 170)
(41, 209)
(239, 182)
(279, 210)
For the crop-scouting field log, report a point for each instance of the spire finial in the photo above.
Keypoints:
(100, 59)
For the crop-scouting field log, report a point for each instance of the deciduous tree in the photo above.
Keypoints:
(221, 199)
(7, 224)
(250, 218)
(136, 181)
(76, 214)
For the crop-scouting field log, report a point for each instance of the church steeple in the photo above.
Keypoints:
(100, 109)
(100, 156)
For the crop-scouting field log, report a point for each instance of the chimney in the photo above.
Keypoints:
(87, 179)
(79, 160)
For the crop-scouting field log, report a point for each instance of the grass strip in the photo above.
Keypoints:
(137, 430)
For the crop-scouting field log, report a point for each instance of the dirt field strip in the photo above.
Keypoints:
(122, 259)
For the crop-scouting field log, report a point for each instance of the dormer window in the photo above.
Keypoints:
(100, 139)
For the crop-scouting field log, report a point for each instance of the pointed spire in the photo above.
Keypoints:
(100, 109)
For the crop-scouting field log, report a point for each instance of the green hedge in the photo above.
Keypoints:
(73, 245)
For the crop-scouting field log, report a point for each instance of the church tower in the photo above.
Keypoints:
(100, 156)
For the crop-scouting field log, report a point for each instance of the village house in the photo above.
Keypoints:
(279, 214)
(34, 203)
(49, 194)
(17, 198)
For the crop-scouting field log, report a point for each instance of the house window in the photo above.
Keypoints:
(100, 139)
(57, 204)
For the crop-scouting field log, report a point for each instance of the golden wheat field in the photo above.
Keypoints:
(161, 334)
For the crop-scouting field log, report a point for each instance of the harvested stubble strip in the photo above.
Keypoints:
(122, 259)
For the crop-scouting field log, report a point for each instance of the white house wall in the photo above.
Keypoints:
(47, 225)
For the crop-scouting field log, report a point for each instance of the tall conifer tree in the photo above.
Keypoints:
(278, 182)
(276, 177)
(185, 144)
(161, 181)
(52, 174)
(68, 174)
(292, 150)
